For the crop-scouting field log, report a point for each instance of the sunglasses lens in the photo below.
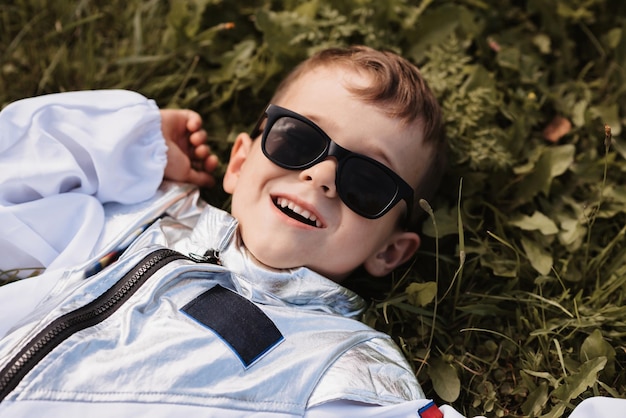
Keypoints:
(365, 188)
(292, 143)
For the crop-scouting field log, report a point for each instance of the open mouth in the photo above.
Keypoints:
(296, 212)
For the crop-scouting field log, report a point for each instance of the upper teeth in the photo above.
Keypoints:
(285, 203)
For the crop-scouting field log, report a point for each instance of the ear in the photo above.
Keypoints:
(397, 250)
(238, 155)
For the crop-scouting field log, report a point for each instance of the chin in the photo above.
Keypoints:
(276, 260)
(269, 260)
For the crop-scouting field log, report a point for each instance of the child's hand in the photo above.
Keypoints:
(189, 158)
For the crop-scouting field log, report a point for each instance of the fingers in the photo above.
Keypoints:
(189, 157)
(208, 163)
(180, 168)
(186, 118)
(211, 163)
(204, 160)
(184, 127)
(201, 152)
(182, 123)
(198, 137)
(194, 120)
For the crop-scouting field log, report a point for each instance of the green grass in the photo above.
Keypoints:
(514, 305)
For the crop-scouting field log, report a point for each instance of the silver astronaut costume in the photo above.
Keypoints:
(186, 316)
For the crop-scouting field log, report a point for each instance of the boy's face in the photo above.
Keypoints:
(342, 240)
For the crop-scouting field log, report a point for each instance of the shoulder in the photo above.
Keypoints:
(372, 372)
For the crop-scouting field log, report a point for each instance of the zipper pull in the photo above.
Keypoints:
(210, 256)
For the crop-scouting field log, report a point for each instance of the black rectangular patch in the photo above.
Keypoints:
(239, 322)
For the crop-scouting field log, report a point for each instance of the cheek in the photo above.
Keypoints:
(361, 235)
(371, 235)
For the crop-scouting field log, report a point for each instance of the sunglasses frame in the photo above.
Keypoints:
(273, 113)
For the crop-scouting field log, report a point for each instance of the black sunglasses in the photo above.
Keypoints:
(365, 185)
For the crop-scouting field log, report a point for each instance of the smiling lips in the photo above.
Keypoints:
(297, 212)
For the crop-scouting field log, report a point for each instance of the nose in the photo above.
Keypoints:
(322, 175)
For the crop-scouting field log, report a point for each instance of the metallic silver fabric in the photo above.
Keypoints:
(151, 351)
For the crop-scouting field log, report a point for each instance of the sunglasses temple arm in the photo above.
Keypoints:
(257, 128)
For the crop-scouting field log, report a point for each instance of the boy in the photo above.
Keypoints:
(206, 314)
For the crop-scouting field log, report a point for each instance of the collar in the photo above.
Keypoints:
(218, 230)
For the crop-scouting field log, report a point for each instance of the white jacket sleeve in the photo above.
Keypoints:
(61, 157)
(107, 144)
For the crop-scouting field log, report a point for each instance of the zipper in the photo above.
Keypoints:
(81, 318)
(210, 256)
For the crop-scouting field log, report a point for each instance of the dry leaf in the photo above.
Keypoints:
(559, 127)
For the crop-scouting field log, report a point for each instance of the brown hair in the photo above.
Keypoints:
(400, 91)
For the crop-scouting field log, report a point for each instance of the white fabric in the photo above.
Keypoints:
(20, 298)
(29, 239)
(600, 407)
(61, 157)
